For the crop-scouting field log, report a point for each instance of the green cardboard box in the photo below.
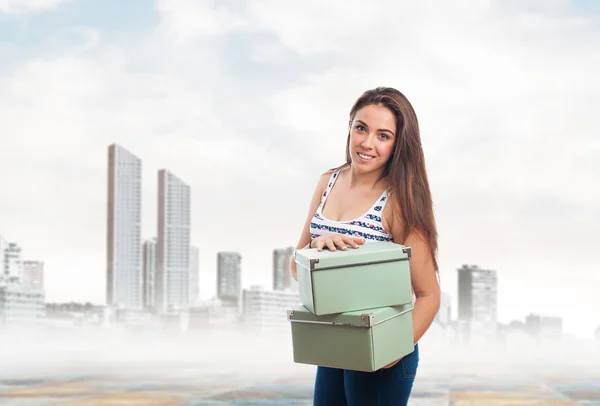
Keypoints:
(376, 274)
(360, 341)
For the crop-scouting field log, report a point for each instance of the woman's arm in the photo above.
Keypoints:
(424, 282)
(423, 277)
(304, 240)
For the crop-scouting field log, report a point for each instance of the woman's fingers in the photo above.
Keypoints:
(330, 244)
(335, 241)
(320, 244)
(354, 242)
(340, 242)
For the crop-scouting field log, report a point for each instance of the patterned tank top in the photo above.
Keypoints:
(368, 226)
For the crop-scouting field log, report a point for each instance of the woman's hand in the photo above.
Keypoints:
(332, 241)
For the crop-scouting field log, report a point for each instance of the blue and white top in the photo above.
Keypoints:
(368, 226)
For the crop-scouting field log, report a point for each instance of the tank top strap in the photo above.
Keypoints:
(379, 205)
(332, 180)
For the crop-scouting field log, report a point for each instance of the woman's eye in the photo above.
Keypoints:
(360, 128)
(385, 136)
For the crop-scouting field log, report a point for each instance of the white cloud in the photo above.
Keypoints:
(91, 38)
(23, 6)
(189, 20)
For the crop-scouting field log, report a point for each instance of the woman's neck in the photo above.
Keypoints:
(363, 180)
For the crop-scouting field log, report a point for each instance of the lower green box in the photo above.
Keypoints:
(365, 340)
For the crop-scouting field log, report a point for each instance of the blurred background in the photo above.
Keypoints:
(196, 129)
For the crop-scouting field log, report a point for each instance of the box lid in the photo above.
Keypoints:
(362, 318)
(371, 252)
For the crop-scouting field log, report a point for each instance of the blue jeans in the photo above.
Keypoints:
(386, 387)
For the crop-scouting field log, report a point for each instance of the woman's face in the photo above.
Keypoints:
(372, 137)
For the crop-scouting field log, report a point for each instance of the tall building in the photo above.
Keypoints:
(282, 279)
(149, 273)
(194, 275)
(229, 277)
(11, 257)
(478, 299)
(173, 244)
(33, 274)
(124, 268)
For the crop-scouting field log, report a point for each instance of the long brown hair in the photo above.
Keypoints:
(405, 171)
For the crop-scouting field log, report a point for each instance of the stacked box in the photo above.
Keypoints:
(373, 275)
(356, 308)
(360, 341)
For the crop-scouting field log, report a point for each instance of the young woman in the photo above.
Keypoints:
(381, 193)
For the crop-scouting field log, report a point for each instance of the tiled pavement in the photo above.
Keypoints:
(186, 386)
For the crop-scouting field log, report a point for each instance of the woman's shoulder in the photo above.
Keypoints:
(322, 184)
(325, 176)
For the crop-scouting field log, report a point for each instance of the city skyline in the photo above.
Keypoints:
(258, 305)
(467, 304)
(252, 111)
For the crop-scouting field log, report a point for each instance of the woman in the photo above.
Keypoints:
(381, 193)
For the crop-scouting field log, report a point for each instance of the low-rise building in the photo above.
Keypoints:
(267, 309)
(20, 304)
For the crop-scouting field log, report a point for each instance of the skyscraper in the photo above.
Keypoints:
(149, 273)
(478, 299)
(124, 270)
(229, 277)
(173, 243)
(282, 280)
(194, 274)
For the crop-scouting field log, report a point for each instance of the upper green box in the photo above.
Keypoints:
(376, 274)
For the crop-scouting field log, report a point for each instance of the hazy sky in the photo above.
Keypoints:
(248, 102)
